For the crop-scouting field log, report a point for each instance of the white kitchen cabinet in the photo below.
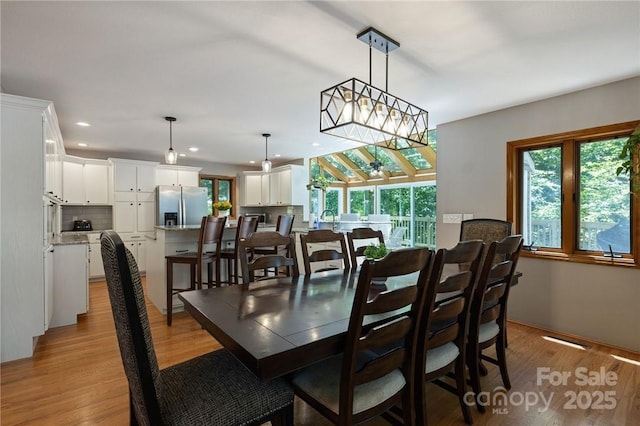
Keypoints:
(145, 212)
(125, 212)
(284, 186)
(177, 175)
(85, 181)
(133, 176)
(53, 160)
(70, 284)
(23, 175)
(48, 286)
(96, 267)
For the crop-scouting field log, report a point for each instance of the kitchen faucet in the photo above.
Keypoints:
(333, 215)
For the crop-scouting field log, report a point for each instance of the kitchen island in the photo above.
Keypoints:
(170, 240)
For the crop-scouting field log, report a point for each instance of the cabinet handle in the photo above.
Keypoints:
(131, 204)
(139, 204)
(181, 251)
(88, 201)
(130, 189)
(138, 189)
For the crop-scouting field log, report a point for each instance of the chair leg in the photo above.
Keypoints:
(192, 276)
(169, 290)
(218, 272)
(209, 274)
(473, 362)
(283, 417)
(421, 402)
(461, 387)
(502, 360)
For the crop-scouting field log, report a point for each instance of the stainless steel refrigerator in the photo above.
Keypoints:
(180, 205)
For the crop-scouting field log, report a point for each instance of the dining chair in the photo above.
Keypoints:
(488, 320)
(250, 261)
(214, 388)
(323, 244)
(361, 234)
(443, 332)
(487, 230)
(284, 226)
(211, 229)
(375, 372)
(246, 225)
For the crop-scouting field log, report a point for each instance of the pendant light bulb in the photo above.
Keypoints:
(266, 164)
(170, 156)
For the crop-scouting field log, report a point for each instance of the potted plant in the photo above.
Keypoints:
(320, 183)
(375, 251)
(630, 153)
(223, 207)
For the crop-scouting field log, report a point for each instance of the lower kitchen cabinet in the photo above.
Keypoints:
(70, 283)
(96, 268)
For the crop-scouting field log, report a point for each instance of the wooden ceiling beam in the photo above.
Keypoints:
(333, 170)
(428, 154)
(355, 169)
(402, 162)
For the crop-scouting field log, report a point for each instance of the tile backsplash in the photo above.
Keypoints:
(101, 217)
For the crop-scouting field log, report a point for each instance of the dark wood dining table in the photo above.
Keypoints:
(278, 326)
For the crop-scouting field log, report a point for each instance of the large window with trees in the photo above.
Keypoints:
(567, 201)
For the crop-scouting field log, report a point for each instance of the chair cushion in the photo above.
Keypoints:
(441, 356)
(487, 331)
(322, 382)
(216, 389)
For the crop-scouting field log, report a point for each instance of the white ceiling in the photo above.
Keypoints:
(230, 71)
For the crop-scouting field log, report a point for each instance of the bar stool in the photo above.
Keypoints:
(246, 226)
(211, 230)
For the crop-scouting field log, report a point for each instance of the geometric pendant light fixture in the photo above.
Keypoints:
(170, 156)
(363, 113)
(266, 164)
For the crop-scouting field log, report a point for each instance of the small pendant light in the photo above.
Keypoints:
(266, 164)
(171, 156)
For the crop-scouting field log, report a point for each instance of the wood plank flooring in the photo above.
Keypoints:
(76, 377)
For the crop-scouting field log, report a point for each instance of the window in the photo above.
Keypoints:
(362, 201)
(333, 200)
(566, 200)
(219, 188)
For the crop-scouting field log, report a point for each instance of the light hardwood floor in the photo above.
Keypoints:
(76, 377)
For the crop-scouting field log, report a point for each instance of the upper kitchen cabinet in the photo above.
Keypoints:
(177, 175)
(54, 152)
(22, 183)
(284, 186)
(133, 176)
(85, 181)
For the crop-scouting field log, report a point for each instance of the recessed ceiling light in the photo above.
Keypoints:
(83, 124)
(315, 144)
(82, 144)
(193, 148)
(277, 155)
(182, 155)
(252, 162)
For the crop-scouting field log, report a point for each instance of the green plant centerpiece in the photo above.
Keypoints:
(223, 205)
(320, 182)
(629, 154)
(375, 251)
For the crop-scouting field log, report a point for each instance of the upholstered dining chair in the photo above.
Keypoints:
(361, 234)
(375, 372)
(488, 319)
(318, 246)
(250, 261)
(212, 389)
(443, 332)
(246, 225)
(211, 229)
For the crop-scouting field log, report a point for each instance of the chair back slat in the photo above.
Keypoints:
(490, 314)
(449, 310)
(320, 236)
(246, 247)
(361, 234)
(389, 344)
(211, 230)
(444, 336)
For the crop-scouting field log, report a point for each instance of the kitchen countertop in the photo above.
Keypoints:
(192, 227)
(70, 238)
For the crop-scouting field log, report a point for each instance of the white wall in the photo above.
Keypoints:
(601, 303)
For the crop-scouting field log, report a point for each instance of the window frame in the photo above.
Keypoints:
(569, 142)
(216, 190)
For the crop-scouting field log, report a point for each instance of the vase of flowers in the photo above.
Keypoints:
(223, 207)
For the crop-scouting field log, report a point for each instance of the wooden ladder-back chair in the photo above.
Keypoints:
(284, 226)
(488, 320)
(375, 372)
(212, 389)
(247, 247)
(443, 333)
(361, 234)
(246, 225)
(211, 229)
(321, 237)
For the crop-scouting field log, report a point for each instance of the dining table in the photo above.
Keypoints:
(280, 325)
